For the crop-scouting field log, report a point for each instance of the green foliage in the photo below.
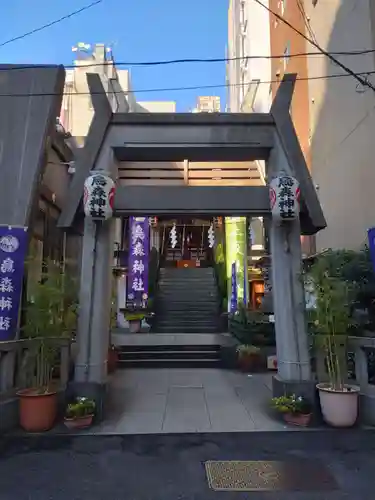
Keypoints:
(134, 316)
(81, 407)
(51, 313)
(356, 270)
(252, 327)
(245, 350)
(332, 319)
(221, 280)
(291, 404)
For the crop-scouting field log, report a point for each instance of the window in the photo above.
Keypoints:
(286, 55)
(283, 6)
(242, 13)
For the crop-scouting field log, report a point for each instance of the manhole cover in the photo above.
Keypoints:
(301, 475)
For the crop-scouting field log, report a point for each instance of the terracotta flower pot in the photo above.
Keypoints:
(78, 422)
(339, 408)
(249, 363)
(37, 411)
(112, 360)
(299, 419)
(135, 325)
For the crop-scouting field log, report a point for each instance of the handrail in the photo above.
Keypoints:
(12, 356)
(358, 346)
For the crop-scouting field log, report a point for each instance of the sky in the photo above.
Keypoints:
(139, 30)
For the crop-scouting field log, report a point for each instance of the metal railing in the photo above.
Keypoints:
(13, 356)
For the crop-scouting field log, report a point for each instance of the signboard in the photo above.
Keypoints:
(139, 248)
(236, 251)
(233, 298)
(371, 244)
(13, 248)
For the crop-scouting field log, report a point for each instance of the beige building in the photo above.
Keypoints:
(207, 104)
(77, 110)
(342, 120)
(334, 117)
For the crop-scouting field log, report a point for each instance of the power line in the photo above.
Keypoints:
(301, 8)
(196, 87)
(52, 23)
(362, 81)
(167, 62)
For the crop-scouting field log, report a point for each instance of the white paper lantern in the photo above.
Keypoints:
(98, 198)
(211, 236)
(284, 198)
(173, 236)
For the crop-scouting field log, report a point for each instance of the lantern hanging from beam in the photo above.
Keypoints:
(98, 198)
(284, 198)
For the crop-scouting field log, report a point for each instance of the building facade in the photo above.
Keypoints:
(77, 110)
(342, 121)
(248, 36)
(207, 104)
(287, 43)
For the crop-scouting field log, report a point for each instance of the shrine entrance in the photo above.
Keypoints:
(191, 247)
(118, 142)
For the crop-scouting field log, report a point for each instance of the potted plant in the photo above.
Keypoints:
(135, 321)
(296, 410)
(332, 313)
(80, 413)
(50, 315)
(113, 358)
(249, 358)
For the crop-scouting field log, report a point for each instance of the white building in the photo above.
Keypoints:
(248, 36)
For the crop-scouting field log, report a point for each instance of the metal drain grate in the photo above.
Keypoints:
(301, 475)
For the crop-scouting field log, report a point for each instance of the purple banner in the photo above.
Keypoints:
(13, 248)
(233, 299)
(139, 247)
(371, 245)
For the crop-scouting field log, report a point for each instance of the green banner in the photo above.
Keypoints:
(236, 252)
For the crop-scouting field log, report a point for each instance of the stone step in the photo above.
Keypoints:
(175, 347)
(169, 271)
(170, 363)
(188, 319)
(185, 329)
(178, 285)
(169, 354)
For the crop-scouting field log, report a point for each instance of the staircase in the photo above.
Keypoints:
(187, 301)
(169, 356)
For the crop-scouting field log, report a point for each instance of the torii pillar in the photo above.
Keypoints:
(294, 371)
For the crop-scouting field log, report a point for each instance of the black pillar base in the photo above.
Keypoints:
(92, 390)
(307, 389)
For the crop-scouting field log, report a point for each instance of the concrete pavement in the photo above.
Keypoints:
(171, 467)
(188, 400)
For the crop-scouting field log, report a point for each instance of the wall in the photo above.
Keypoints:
(342, 122)
(254, 28)
(259, 44)
(282, 36)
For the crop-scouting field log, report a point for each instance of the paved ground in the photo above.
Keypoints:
(171, 467)
(188, 400)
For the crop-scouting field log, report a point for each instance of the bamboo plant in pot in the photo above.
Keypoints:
(50, 316)
(338, 399)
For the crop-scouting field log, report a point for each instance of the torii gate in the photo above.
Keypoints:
(116, 137)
